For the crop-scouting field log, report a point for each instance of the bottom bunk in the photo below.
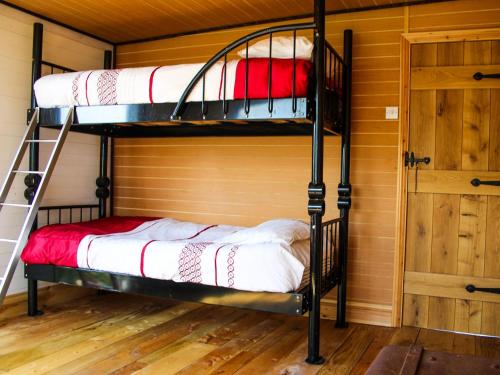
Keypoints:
(184, 261)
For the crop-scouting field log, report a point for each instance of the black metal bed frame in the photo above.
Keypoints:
(323, 111)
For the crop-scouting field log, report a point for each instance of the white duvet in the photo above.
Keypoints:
(269, 257)
(133, 85)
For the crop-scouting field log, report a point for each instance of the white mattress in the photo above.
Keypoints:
(132, 85)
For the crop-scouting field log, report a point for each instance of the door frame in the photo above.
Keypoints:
(407, 40)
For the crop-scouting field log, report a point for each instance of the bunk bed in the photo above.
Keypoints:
(322, 110)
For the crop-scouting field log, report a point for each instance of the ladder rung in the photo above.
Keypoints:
(7, 240)
(41, 141)
(28, 172)
(16, 205)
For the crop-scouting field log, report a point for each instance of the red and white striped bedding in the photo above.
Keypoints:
(167, 83)
(269, 257)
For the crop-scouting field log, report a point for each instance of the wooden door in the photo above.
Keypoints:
(453, 227)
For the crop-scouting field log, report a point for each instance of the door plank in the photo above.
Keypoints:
(449, 104)
(495, 114)
(445, 233)
(467, 316)
(494, 147)
(419, 238)
(415, 310)
(476, 130)
(477, 53)
(491, 321)
(475, 316)
(441, 313)
(472, 235)
(448, 154)
(424, 54)
(462, 311)
(449, 54)
(492, 251)
(422, 124)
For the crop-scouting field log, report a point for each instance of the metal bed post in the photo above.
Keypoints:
(344, 188)
(31, 181)
(112, 153)
(103, 182)
(316, 188)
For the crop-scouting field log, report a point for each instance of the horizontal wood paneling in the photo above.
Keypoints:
(455, 15)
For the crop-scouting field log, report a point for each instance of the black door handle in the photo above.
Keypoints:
(471, 288)
(411, 160)
(479, 76)
(477, 182)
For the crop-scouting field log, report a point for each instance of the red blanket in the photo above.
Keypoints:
(282, 78)
(58, 244)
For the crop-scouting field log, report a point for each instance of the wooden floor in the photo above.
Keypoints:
(122, 334)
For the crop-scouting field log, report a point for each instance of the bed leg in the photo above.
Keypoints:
(342, 286)
(33, 298)
(313, 356)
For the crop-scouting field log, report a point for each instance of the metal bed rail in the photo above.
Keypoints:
(333, 71)
(334, 84)
(329, 274)
(67, 214)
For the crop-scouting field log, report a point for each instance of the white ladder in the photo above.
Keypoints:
(21, 240)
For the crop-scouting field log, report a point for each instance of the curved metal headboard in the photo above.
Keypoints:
(223, 54)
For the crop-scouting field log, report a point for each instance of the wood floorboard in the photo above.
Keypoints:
(122, 334)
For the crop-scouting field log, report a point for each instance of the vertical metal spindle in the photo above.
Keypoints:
(340, 73)
(270, 76)
(203, 109)
(90, 214)
(60, 216)
(70, 215)
(294, 72)
(224, 102)
(325, 256)
(330, 83)
(247, 106)
(48, 217)
(334, 235)
(332, 249)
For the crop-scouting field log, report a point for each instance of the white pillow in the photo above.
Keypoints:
(279, 230)
(282, 48)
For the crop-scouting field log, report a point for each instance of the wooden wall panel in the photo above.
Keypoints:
(217, 179)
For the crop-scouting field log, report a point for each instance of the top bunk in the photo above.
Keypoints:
(266, 83)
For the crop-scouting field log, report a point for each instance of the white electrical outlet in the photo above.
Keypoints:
(391, 113)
